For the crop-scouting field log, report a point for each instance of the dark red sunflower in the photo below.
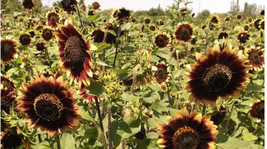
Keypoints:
(243, 37)
(25, 39)
(218, 116)
(74, 53)
(203, 26)
(219, 73)
(227, 19)
(161, 74)
(98, 35)
(186, 131)
(8, 49)
(40, 46)
(91, 12)
(95, 5)
(68, 5)
(257, 24)
(53, 19)
(239, 17)
(147, 21)
(184, 32)
(214, 20)
(161, 40)
(32, 33)
(262, 12)
(133, 20)
(223, 35)
(10, 139)
(161, 22)
(110, 38)
(255, 57)
(7, 94)
(152, 27)
(257, 110)
(246, 28)
(47, 34)
(184, 11)
(49, 104)
(27, 4)
(122, 14)
(39, 28)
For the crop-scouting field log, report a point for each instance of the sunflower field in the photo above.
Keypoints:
(76, 77)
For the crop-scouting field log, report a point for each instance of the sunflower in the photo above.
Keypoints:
(74, 53)
(8, 49)
(250, 20)
(243, 37)
(193, 40)
(262, 12)
(68, 5)
(27, 4)
(257, 110)
(246, 28)
(49, 104)
(219, 73)
(147, 20)
(122, 14)
(262, 25)
(83, 7)
(257, 24)
(91, 12)
(161, 74)
(163, 87)
(47, 34)
(255, 57)
(39, 28)
(184, 11)
(98, 35)
(110, 38)
(227, 19)
(152, 27)
(161, 40)
(203, 26)
(25, 39)
(214, 19)
(239, 17)
(218, 117)
(7, 93)
(184, 32)
(40, 46)
(10, 139)
(53, 19)
(161, 22)
(223, 35)
(133, 20)
(187, 131)
(95, 5)
(32, 33)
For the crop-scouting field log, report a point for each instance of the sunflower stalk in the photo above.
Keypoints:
(103, 138)
(57, 139)
(117, 45)
(79, 15)
(229, 117)
(237, 127)
(257, 129)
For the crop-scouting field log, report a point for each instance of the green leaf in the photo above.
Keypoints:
(93, 17)
(103, 46)
(96, 88)
(91, 133)
(67, 141)
(233, 143)
(247, 136)
(127, 97)
(42, 145)
(102, 63)
(126, 26)
(112, 32)
(85, 115)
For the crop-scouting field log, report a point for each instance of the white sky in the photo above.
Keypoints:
(212, 5)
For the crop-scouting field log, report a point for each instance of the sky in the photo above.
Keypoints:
(219, 6)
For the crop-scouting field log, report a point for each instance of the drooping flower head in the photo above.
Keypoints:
(25, 39)
(40, 46)
(214, 19)
(184, 11)
(48, 104)
(161, 22)
(8, 49)
(95, 5)
(223, 35)
(184, 32)
(187, 131)
(218, 73)
(161, 74)
(109, 38)
(122, 14)
(257, 24)
(10, 139)
(47, 34)
(97, 35)
(161, 40)
(243, 37)
(74, 53)
(53, 19)
(255, 57)
(7, 93)
(218, 117)
(257, 110)
(262, 12)
(68, 5)
(27, 4)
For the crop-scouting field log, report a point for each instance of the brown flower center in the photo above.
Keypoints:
(214, 20)
(6, 49)
(25, 40)
(47, 34)
(7, 85)
(161, 73)
(216, 78)
(75, 53)
(185, 138)
(260, 109)
(255, 58)
(48, 107)
(54, 20)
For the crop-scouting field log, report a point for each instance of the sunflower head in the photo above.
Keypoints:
(227, 19)
(257, 24)
(97, 35)
(152, 28)
(219, 115)
(262, 25)
(74, 54)
(11, 139)
(53, 19)
(48, 104)
(184, 11)
(218, 73)
(250, 20)
(239, 17)
(184, 32)
(203, 26)
(27, 4)
(161, 22)
(68, 5)
(47, 34)
(262, 12)
(110, 38)
(133, 20)
(255, 57)
(95, 5)
(243, 37)
(40, 46)
(161, 74)
(187, 131)
(122, 14)
(161, 40)
(25, 39)
(223, 35)
(7, 93)
(246, 28)
(8, 49)
(147, 20)
(257, 110)
(214, 20)
(91, 12)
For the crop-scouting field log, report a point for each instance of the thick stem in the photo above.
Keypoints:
(237, 127)
(204, 109)
(58, 141)
(229, 117)
(168, 92)
(117, 45)
(79, 15)
(39, 138)
(256, 130)
(103, 139)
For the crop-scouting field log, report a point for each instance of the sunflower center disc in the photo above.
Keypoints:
(216, 78)
(255, 58)
(54, 20)
(214, 20)
(260, 109)
(47, 34)
(8, 85)
(48, 107)
(185, 138)
(75, 54)
(185, 33)
(161, 73)
(6, 49)
(25, 40)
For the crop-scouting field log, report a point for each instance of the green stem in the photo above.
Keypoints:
(256, 130)
(79, 15)
(58, 141)
(117, 46)
(237, 127)
(204, 109)
(229, 117)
